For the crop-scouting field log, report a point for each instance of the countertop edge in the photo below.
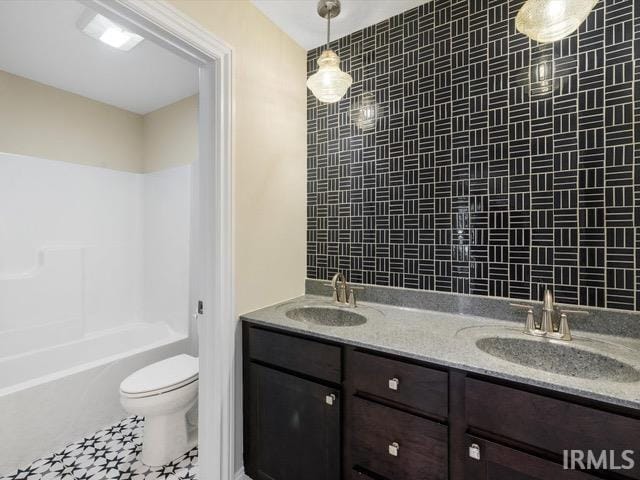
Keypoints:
(525, 381)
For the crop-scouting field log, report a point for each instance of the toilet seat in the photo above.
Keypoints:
(161, 377)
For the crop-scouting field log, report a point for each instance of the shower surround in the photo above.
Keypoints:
(94, 284)
(498, 166)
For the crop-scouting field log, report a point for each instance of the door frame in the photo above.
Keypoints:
(212, 273)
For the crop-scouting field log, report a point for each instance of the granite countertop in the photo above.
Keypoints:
(450, 340)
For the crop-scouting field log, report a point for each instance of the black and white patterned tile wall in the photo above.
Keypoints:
(497, 165)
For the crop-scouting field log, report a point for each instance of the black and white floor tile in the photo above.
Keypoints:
(110, 454)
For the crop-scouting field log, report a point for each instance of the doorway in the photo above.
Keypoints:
(212, 278)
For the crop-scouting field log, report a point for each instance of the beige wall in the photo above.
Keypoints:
(46, 122)
(269, 149)
(170, 135)
(269, 158)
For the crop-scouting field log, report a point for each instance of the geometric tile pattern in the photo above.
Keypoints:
(111, 453)
(497, 166)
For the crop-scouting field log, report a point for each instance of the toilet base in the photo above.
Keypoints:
(166, 438)
(168, 434)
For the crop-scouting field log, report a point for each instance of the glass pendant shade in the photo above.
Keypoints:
(551, 20)
(329, 84)
(365, 112)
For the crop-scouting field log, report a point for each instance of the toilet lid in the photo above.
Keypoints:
(161, 376)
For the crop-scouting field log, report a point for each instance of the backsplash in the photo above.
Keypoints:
(497, 166)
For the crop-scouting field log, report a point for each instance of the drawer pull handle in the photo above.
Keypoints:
(394, 383)
(474, 451)
(393, 449)
(329, 399)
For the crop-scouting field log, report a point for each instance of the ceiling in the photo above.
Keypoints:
(300, 19)
(39, 40)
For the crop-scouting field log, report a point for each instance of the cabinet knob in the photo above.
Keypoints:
(329, 399)
(474, 451)
(393, 449)
(394, 383)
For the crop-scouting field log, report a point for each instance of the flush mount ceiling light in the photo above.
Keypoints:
(551, 20)
(101, 28)
(329, 83)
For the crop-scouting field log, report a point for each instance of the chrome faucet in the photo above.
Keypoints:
(339, 285)
(343, 293)
(546, 323)
(546, 327)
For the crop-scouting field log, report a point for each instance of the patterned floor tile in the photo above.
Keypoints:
(110, 454)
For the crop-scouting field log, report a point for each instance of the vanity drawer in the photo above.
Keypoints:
(356, 475)
(316, 359)
(550, 424)
(497, 462)
(422, 444)
(420, 388)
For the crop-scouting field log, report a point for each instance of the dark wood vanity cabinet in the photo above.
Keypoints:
(394, 444)
(498, 462)
(395, 418)
(410, 386)
(320, 410)
(292, 407)
(550, 425)
(295, 431)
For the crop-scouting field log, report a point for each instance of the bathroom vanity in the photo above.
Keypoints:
(328, 402)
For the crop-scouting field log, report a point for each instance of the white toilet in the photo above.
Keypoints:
(163, 393)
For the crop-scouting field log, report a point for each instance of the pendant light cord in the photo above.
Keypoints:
(329, 27)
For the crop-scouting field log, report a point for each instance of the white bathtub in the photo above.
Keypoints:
(54, 396)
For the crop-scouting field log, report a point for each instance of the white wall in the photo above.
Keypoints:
(89, 248)
(167, 209)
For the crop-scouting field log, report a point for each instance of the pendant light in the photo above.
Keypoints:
(365, 112)
(550, 20)
(329, 84)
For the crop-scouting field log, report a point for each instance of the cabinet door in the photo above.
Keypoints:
(547, 423)
(294, 427)
(498, 462)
